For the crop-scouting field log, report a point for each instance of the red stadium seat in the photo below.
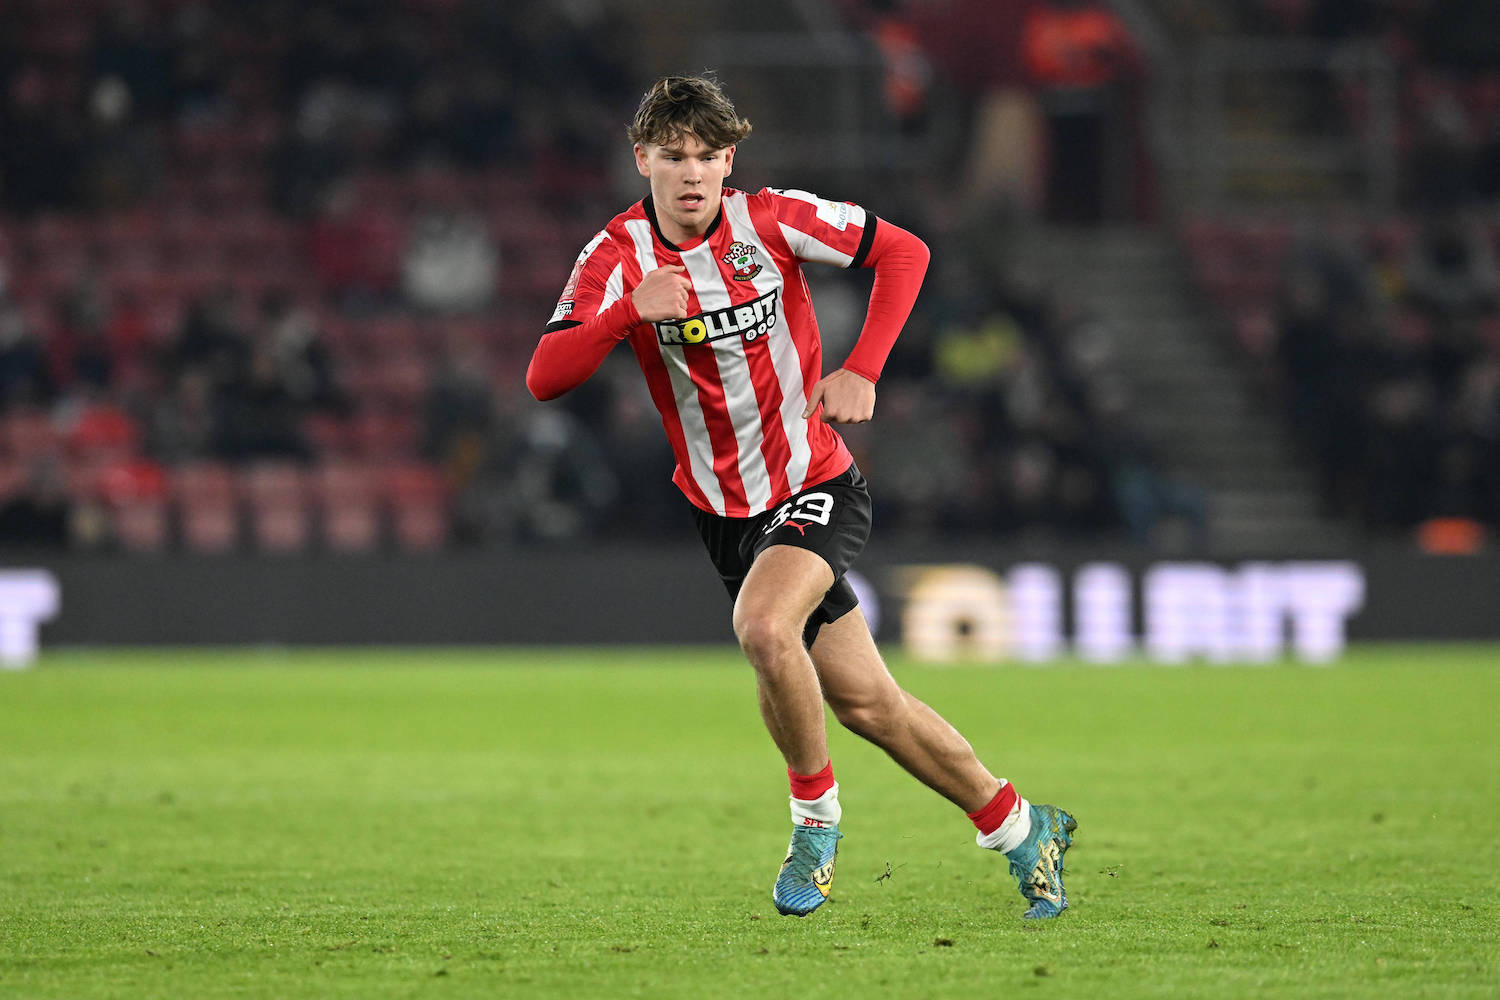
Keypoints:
(417, 495)
(207, 502)
(330, 435)
(348, 503)
(29, 435)
(277, 502)
(383, 436)
(135, 494)
(104, 433)
(401, 380)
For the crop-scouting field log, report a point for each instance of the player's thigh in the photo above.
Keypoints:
(850, 667)
(784, 585)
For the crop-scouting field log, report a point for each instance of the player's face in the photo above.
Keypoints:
(687, 184)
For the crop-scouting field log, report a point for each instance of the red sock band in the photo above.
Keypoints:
(811, 786)
(991, 816)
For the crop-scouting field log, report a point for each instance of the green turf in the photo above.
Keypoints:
(601, 824)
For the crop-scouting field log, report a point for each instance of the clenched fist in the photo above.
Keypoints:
(847, 398)
(662, 294)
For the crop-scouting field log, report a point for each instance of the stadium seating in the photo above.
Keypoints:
(207, 499)
(209, 224)
(278, 507)
(347, 499)
(418, 502)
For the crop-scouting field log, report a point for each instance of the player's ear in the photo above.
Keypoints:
(642, 166)
(728, 161)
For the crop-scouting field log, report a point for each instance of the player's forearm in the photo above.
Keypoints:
(900, 262)
(565, 358)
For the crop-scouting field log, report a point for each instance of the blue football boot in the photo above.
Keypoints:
(807, 873)
(1038, 863)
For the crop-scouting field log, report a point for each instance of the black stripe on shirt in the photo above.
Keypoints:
(865, 241)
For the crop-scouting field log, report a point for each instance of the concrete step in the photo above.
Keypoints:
(1255, 451)
(1266, 503)
(1228, 477)
(1309, 539)
(1190, 395)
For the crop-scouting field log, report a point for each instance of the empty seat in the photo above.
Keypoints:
(348, 505)
(383, 436)
(417, 497)
(277, 505)
(135, 495)
(104, 433)
(207, 503)
(28, 435)
(330, 435)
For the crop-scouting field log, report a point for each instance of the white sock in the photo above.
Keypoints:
(821, 811)
(1010, 834)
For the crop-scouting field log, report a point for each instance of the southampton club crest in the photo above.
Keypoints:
(741, 257)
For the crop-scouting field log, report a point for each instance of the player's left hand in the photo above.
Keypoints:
(847, 398)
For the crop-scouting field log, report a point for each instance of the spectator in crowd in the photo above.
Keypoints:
(184, 424)
(39, 159)
(308, 162)
(1461, 35)
(355, 250)
(209, 341)
(302, 359)
(1451, 273)
(1083, 61)
(129, 50)
(1324, 312)
(117, 163)
(259, 417)
(463, 435)
(38, 514)
(450, 264)
(81, 355)
(1453, 281)
(24, 377)
(198, 89)
(464, 114)
(561, 485)
(648, 503)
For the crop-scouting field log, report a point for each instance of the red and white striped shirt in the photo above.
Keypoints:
(731, 379)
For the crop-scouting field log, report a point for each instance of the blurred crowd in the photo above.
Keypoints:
(241, 235)
(323, 236)
(300, 234)
(1386, 353)
(1381, 336)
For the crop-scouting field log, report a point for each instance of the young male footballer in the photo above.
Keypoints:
(706, 284)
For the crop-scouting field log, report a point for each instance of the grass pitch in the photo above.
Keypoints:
(579, 823)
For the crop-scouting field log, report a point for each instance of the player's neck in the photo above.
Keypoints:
(677, 236)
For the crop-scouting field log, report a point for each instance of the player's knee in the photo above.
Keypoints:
(765, 638)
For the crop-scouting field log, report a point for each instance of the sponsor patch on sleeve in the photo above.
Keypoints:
(835, 213)
(570, 290)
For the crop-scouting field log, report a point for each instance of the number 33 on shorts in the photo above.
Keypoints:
(813, 508)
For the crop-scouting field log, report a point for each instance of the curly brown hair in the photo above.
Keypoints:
(678, 105)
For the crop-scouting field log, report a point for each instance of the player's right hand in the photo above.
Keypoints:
(662, 294)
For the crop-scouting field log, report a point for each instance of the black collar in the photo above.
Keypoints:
(650, 207)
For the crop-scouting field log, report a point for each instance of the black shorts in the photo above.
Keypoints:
(831, 519)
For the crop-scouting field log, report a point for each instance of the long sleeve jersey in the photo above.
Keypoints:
(732, 377)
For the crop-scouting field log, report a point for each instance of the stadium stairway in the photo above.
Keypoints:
(1190, 394)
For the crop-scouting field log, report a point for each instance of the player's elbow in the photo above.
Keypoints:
(905, 248)
(920, 253)
(539, 386)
